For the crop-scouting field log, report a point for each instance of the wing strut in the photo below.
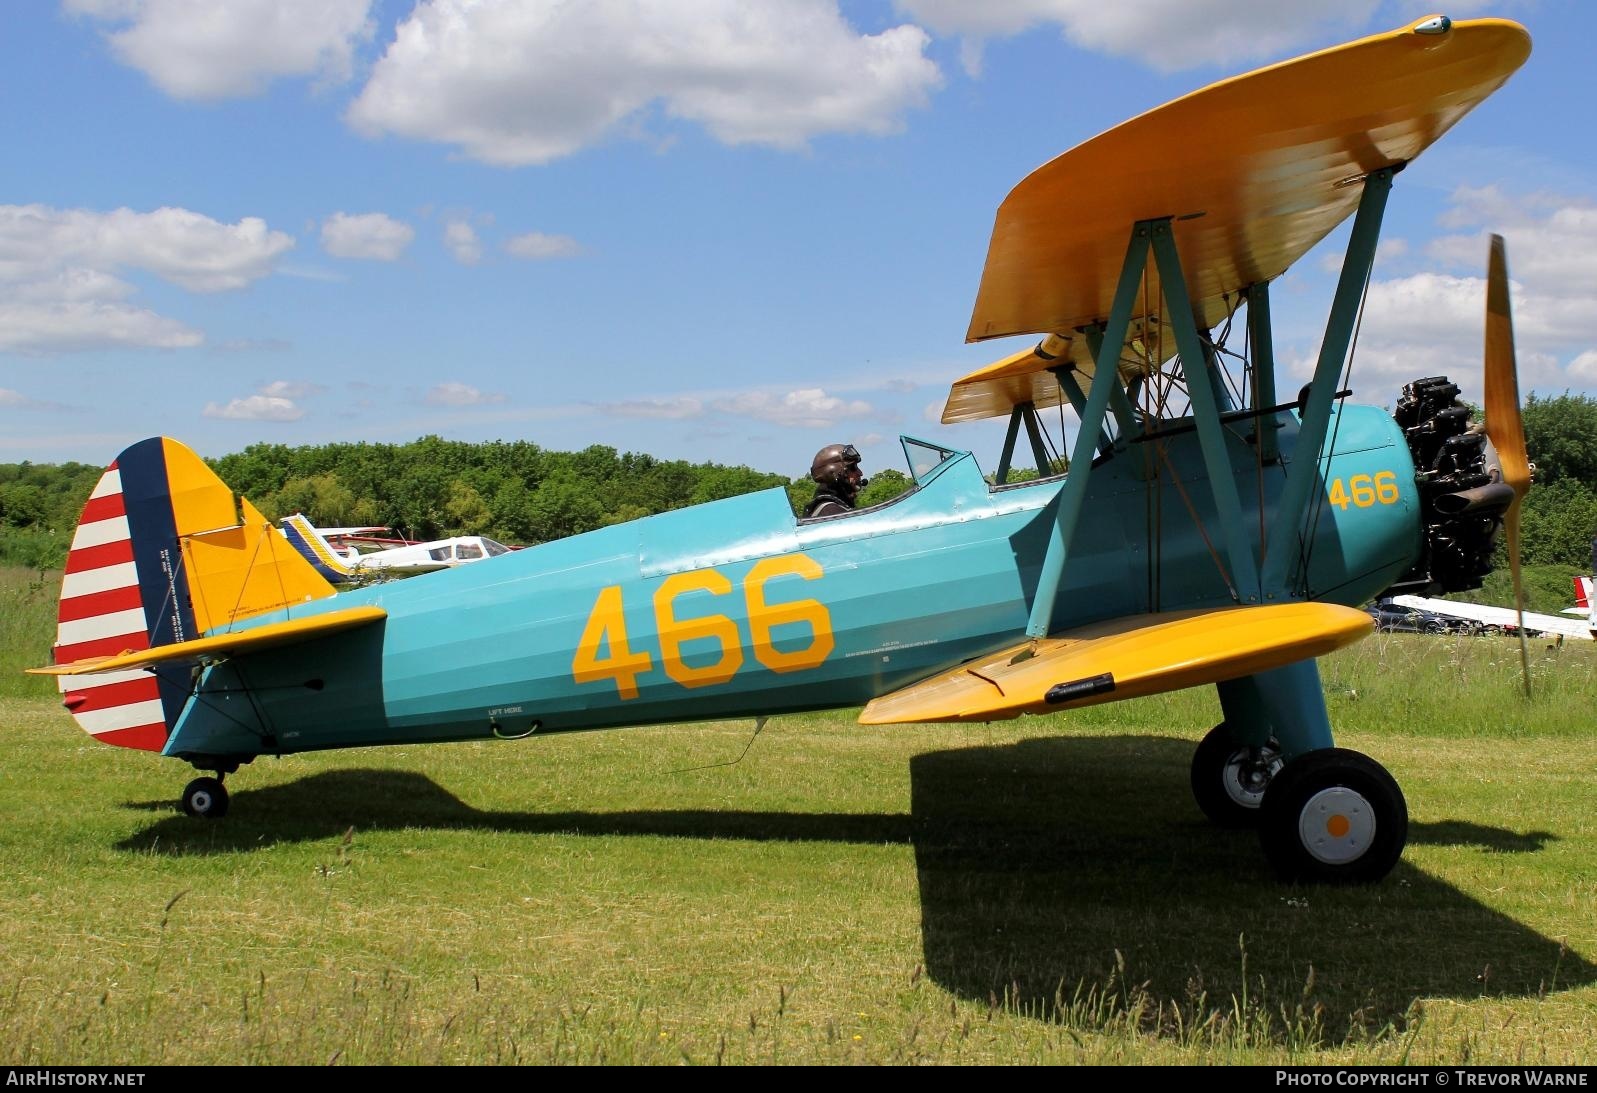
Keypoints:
(1280, 551)
(1120, 401)
(1204, 389)
(1001, 476)
(1065, 376)
(1106, 376)
(1024, 412)
(1261, 344)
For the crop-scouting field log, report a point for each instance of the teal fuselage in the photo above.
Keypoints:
(734, 608)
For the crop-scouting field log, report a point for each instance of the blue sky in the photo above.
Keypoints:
(706, 229)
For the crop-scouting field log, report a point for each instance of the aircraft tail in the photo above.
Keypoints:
(1583, 593)
(313, 546)
(163, 553)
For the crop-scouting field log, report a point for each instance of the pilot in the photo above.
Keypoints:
(837, 480)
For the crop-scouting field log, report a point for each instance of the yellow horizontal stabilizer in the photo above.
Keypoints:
(1124, 658)
(218, 646)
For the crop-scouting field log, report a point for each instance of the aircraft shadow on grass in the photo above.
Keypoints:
(1054, 874)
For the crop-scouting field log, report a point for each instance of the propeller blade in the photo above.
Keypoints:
(1503, 425)
(1504, 428)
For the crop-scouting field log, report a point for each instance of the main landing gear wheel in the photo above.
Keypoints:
(205, 798)
(1229, 779)
(1333, 816)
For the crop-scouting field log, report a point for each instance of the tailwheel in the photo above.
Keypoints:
(1229, 779)
(205, 798)
(1333, 816)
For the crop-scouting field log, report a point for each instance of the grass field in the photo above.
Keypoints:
(1039, 891)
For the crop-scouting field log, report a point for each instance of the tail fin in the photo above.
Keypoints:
(1583, 593)
(313, 546)
(162, 554)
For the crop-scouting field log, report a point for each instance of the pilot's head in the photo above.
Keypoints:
(836, 470)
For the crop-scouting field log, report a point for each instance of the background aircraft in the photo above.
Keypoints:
(1205, 533)
(348, 565)
(1500, 617)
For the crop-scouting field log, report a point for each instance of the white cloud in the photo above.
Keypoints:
(74, 325)
(256, 408)
(1552, 239)
(1584, 368)
(254, 345)
(375, 236)
(12, 398)
(516, 84)
(538, 245)
(673, 409)
(200, 49)
(461, 239)
(808, 408)
(1390, 250)
(1387, 251)
(59, 283)
(291, 389)
(186, 248)
(275, 401)
(1431, 323)
(461, 394)
(312, 273)
(1166, 34)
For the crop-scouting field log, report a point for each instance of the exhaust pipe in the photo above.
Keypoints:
(1491, 499)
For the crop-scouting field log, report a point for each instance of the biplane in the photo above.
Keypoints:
(1207, 530)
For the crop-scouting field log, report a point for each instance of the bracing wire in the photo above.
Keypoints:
(1306, 549)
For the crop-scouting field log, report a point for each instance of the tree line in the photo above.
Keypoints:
(522, 494)
(513, 491)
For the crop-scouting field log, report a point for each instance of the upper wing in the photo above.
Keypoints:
(1125, 658)
(1255, 170)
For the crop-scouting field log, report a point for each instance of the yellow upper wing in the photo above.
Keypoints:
(1124, 658)
(1261, 166)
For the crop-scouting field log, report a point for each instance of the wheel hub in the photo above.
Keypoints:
(1337, 825)
(1247, 775)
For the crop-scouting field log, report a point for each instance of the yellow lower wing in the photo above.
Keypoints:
(218, 646)
(1124, 658)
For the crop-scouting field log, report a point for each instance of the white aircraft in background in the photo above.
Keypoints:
(1505, 618)
(347, 565)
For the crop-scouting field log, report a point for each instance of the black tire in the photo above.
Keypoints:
(205, 798)
(1333, 817)
(1228, 780)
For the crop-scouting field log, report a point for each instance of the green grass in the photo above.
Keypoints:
(1040, 891)
(27, 629)
(1548, 588)
(1037, 891)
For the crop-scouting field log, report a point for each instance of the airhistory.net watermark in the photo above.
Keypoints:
(22, 1076)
